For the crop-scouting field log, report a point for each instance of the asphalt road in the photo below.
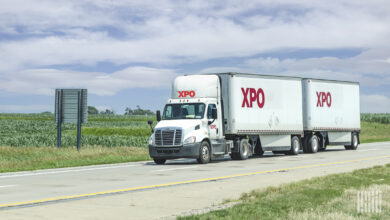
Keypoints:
(145, 190)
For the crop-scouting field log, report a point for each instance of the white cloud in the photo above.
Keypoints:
(41, 33)
(161, 33)
(367, 68)
(374, 104)
(44, 81)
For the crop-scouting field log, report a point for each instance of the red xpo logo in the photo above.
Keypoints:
(183, 94)
(324, 98)
(253, 95)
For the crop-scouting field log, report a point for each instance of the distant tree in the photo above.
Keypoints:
(107, 112)
(92, 110)
(46, 113)
(128, 111)
(138, 111)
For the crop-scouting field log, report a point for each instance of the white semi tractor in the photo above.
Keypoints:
(212, 115)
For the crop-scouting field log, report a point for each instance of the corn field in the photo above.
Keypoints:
(378, 118)
(40, 130)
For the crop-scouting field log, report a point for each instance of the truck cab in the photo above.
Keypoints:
(191, 122)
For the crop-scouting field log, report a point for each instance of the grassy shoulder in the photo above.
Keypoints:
(374, 132)
(329, 197)
(34, 158)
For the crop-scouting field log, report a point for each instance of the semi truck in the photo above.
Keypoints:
(212, 115)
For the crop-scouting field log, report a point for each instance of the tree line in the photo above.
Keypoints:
(128, 111)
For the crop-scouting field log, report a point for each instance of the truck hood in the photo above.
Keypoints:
(184, 123)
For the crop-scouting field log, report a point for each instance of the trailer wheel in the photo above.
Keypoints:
(159, 161)
(295, 145)
(306, 143)
(354, 142)
(244, 149)
(312, 144)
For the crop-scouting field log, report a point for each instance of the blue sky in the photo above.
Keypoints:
(128, 52)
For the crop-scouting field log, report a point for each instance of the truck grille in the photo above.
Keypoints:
(168, 137)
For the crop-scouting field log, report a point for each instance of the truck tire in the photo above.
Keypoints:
(243, 150)
(312, 144)
(354, 142)
(159, 161)
(204, 153)
(295, 146)
(306, 144)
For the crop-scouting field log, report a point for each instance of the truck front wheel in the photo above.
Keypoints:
(204, 153)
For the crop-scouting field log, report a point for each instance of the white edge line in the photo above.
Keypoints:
(64, 171)
(180, 168)
(367, 150)
(7, 186)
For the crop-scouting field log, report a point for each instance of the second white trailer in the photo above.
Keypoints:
(331, 114)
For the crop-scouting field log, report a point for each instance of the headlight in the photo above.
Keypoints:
(190, 140)
(151, 140)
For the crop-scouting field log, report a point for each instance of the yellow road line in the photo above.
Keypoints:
(184, 182)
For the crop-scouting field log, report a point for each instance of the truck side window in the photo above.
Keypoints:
(209, 111)
(168, 112)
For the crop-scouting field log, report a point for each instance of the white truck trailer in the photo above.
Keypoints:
(331, 114)
(209, 116)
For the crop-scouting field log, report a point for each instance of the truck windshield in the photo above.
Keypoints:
(184, 111)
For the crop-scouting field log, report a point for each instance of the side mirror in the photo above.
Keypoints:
(158, 115)
(150, 122)
(214, 113)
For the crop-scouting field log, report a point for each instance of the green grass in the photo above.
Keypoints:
(374, 132)
(33, 158)
(329, 197)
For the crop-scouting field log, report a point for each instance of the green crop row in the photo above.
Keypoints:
(20, 130)
(379, 118)
(47, 140)
(99, 131)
